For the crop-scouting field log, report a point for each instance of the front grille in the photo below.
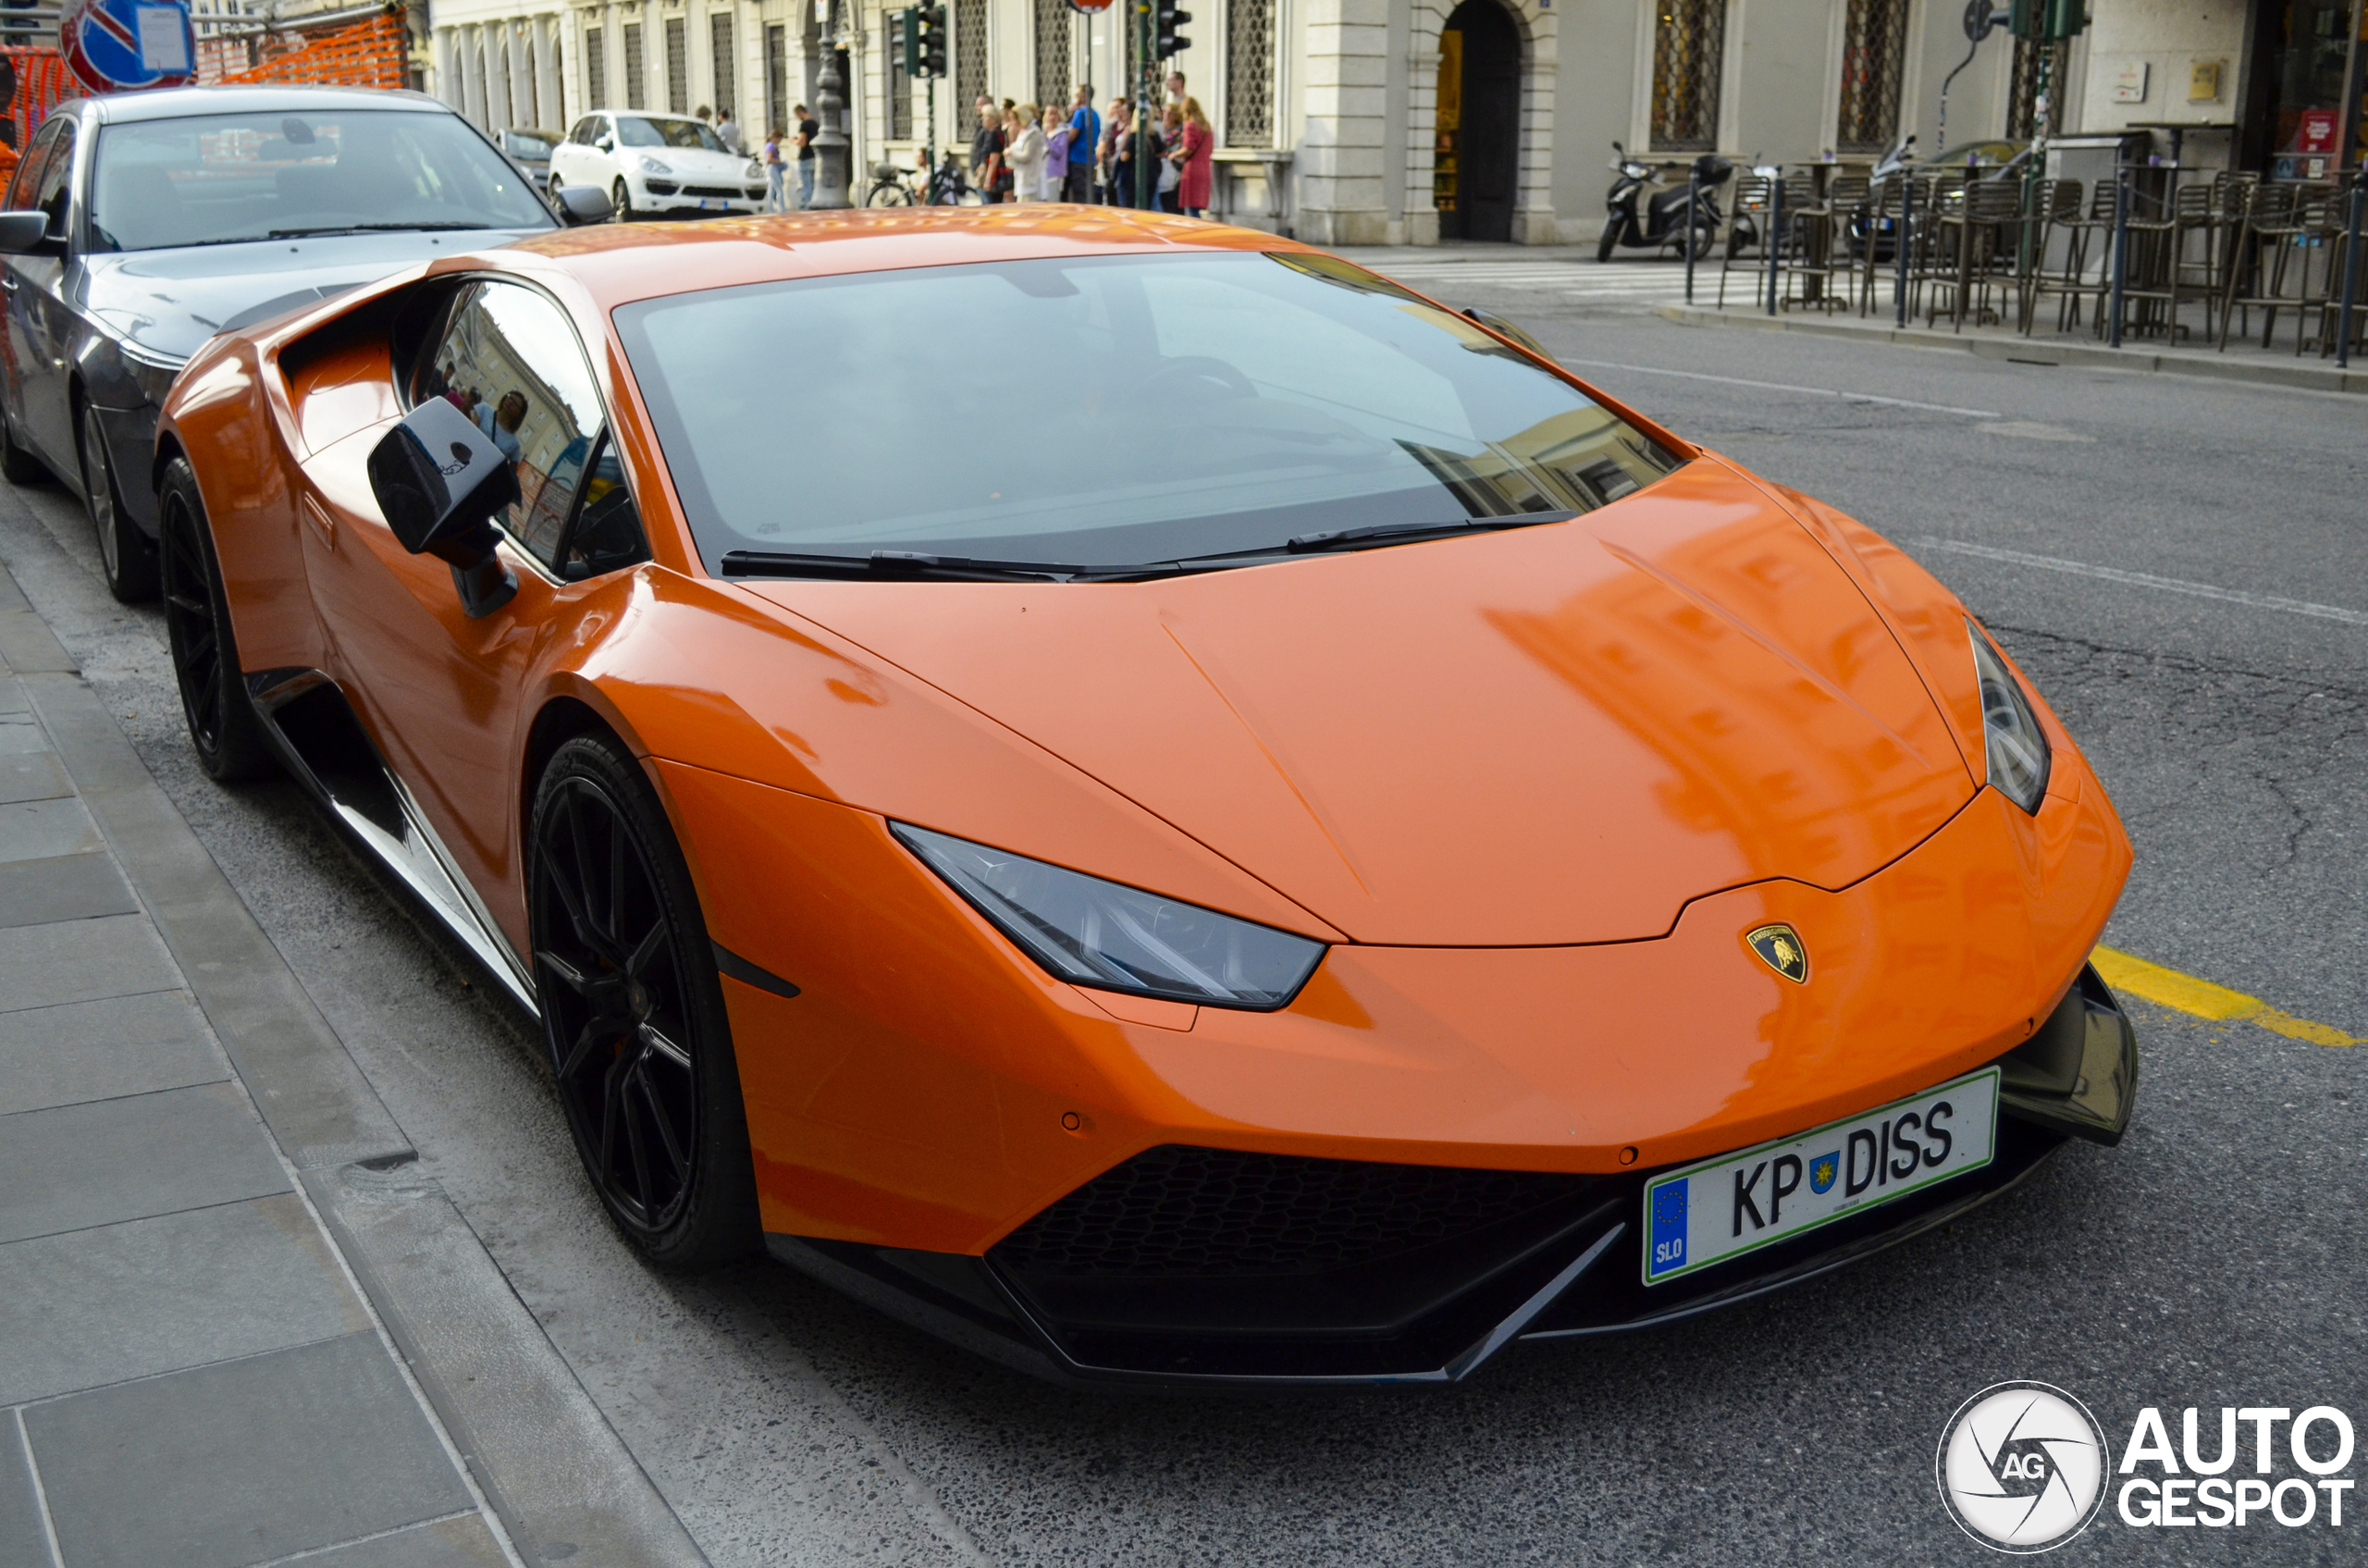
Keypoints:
(659, 187)
(732, 191)
(1175, 1212)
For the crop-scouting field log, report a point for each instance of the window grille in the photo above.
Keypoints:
(1874, 54)
(719, 63)
(637, 68)
(2022, 99)
(1053, 82)
(1689, 49)
(678, 66)
(969, 62)
(776, 77)
(596, 67)
(1249, 73)
(900, 89)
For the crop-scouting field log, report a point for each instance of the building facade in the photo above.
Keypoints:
(1413, 121)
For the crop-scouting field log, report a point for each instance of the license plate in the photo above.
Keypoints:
(713, 206)
(1735, 1203)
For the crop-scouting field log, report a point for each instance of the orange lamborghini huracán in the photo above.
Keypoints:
(1140, 796)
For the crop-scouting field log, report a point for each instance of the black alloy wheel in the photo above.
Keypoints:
(633, 1012)
(127, 557)
(621, 200)
(223, 728)
(17, 464)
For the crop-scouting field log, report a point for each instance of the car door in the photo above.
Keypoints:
(39, 323)
(19, 362)
(439, 691)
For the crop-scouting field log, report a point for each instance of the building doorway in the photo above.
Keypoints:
(1476, 168)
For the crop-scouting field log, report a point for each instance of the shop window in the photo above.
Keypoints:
(969, 62)
(1054, 84)
(678, 66)
(2023, 91)
(637, 68)
(596, 67)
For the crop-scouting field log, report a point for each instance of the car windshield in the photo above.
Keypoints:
(212, 179)
(1105, 412)
(526, 144)
(635, 131)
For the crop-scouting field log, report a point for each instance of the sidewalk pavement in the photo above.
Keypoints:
(232, 1330)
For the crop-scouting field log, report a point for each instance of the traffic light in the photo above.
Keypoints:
(1165, 18)
(929, 30)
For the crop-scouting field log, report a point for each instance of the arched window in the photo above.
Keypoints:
(1689, 49)
(1874, 56)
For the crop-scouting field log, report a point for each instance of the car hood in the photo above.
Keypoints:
(1554, 735)
(169, 301)
(692, 162)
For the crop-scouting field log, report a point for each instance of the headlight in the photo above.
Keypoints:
(2016, 748)
(756, 169)
(153, 373)
(652, 166)
(1112, 937)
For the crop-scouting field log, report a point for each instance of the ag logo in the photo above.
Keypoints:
(1780, 948)
(2022, 1467)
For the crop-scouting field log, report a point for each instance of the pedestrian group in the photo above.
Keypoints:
(1020, 153)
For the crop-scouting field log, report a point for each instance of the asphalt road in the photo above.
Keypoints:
(2220, 1256)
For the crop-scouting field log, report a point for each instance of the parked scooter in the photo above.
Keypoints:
(1663, 222)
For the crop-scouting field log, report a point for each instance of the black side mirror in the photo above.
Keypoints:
(440, 482)
(583, 204)
(26, 234)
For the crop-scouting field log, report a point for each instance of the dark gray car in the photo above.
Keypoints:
(141, 225)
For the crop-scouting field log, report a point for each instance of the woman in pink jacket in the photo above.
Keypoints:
(1192, 161)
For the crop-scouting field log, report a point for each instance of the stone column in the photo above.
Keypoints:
(448, 70)
(1340, 168)
(496, 76)
(473, 73)
(550, 92)
(523, 109)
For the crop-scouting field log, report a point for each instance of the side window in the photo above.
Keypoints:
(56, 177)
(509, 359)
(28, 168)
(608, 531)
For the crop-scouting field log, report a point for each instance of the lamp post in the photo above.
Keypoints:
(829, 112)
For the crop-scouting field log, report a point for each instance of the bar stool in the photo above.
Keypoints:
(1755, 196)
(2268, 217)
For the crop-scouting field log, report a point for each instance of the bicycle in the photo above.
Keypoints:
(893, 187)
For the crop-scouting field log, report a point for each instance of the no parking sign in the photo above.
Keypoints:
(122, 45)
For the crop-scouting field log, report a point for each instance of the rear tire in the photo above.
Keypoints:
(126, 556)
(17, 464)
(633, 1012)
(224, 729)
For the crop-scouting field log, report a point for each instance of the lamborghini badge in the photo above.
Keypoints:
(1780, 947)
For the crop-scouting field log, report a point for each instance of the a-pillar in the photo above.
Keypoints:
(1339, 159)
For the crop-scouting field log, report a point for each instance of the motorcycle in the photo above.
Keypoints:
(1663, 222)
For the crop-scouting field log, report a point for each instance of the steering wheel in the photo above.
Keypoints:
(1200, 367)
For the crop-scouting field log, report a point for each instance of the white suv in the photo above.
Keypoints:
(652, 164)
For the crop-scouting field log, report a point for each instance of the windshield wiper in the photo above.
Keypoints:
(320, 229)
(902, 563)
(1410, 532)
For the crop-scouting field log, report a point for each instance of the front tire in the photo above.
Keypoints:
(224, 729)
(633, 1012)
(1610, 240)
(126, 558)
(620, 199)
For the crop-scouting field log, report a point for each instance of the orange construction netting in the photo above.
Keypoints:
(43, 81)
(375, 53)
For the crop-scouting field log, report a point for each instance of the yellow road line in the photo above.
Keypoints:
(2184, 993)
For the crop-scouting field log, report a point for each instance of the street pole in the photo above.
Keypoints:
(1146, 115)
(1899, 245)
(830, 110)
(2350, 272)
(2120, 247)
(1693, 199)
(1774, 236)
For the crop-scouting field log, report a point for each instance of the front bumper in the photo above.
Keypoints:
(1200, 1266)
(670, 196)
